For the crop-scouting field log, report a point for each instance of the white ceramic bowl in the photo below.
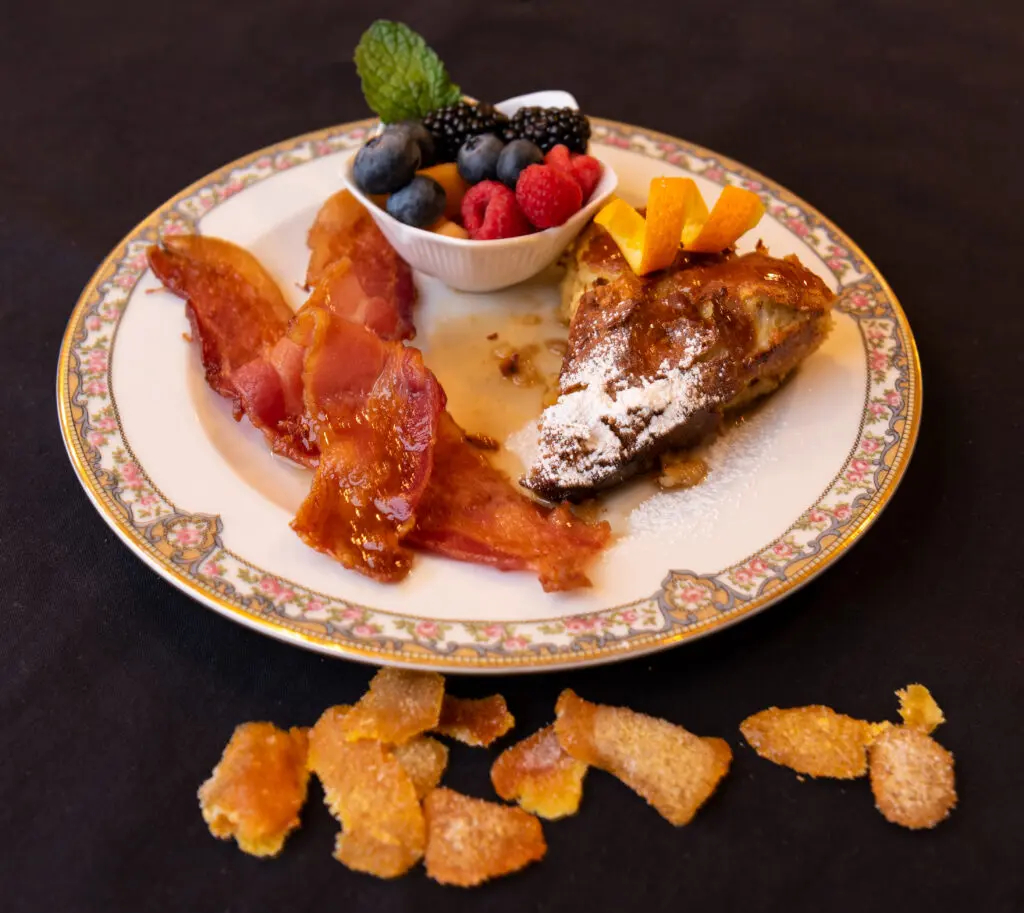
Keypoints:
(486, 266)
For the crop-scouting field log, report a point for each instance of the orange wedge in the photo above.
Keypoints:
(666, 213)
(627, 228)
(736, 212)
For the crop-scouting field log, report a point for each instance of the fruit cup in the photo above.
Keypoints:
(486, 266)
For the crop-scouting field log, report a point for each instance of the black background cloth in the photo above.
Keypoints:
(899, 120)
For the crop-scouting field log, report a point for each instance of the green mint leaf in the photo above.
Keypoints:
(401, 76)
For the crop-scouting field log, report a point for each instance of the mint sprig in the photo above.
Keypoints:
(402, 77)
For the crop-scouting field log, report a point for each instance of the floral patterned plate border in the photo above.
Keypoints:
(188, 549)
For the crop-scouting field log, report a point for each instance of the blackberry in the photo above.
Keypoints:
(547, 127)
(452, 126)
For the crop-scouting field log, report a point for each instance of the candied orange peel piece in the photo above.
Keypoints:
(258, 788)
(919, 709)
(470, 841)
(812, 740)
(369, 791)
(540, 775)
(673, 769)
(475, 721)
(912, 778)
(735, 213)
(400, 704)
(424, 760)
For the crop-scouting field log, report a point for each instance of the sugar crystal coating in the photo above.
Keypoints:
(673, 769)
(369, 792)
(400, 704)
(424, 760)
(470, 840)
(475, 721)
(258, 788)
(540, 775)
(912, 778)
(813, 740)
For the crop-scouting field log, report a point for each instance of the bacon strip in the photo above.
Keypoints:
(472, 512)
(374, 408)
(240, 318)
(234, 306)
(339, 393)
(376, 288)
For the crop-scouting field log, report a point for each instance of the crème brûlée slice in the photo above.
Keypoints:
(653, 362)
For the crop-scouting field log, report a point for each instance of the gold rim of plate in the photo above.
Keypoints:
(720, 605)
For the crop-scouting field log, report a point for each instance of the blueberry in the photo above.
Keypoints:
(386, 163)
(421, 136)
(516, 156)
(478, 158)
(420, 203)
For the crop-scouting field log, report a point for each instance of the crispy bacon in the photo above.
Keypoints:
(269, 391)
(338, 393)
(472, 512)
(374, 408)
(235, 308)
(376, 288)
(239, 317)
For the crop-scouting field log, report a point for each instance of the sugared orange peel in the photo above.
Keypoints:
(736, 212)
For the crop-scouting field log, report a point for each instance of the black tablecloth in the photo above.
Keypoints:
(900, 120)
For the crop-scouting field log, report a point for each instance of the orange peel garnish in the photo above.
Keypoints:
(666, 213)
(695, 213)
(627, 228)
(677, 213)
(733, 215)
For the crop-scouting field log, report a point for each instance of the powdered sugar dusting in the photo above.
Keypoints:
(605, 417)
(739, 460)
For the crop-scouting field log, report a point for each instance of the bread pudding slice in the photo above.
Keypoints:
(654, 361)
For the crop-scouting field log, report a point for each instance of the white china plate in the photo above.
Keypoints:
(199, 498)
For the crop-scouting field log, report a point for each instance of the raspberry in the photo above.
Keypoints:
(587, 170)
(490, 211)
(559, 159)
(547, 196)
